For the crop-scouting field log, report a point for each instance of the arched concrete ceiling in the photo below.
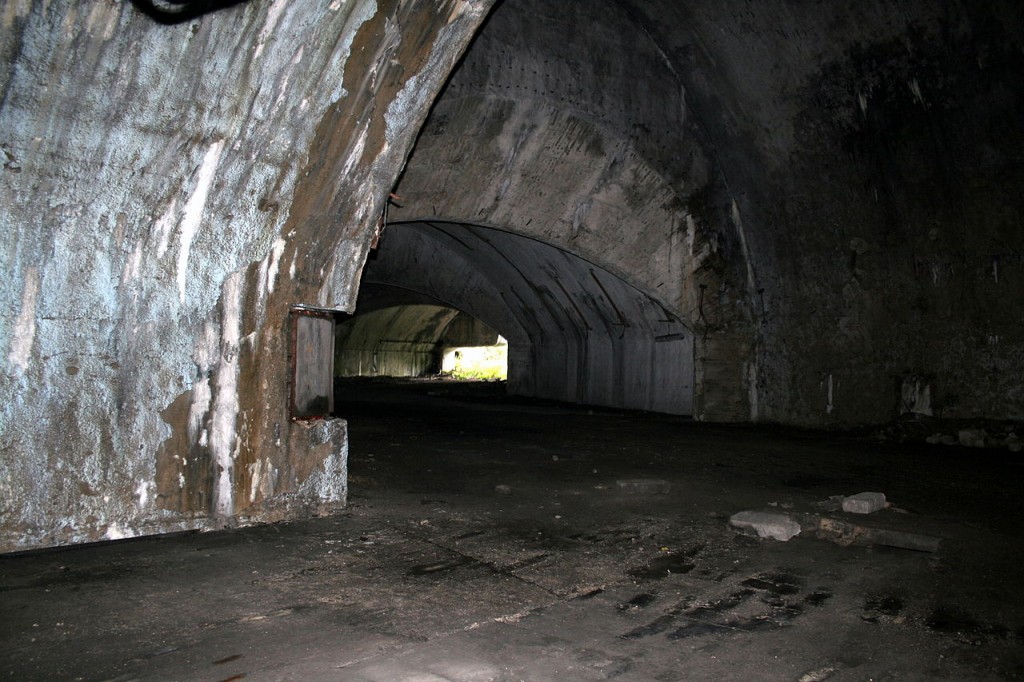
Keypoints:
(374, 296)
(828, 191)
(576, 332)
(566, 122)
(550, 128)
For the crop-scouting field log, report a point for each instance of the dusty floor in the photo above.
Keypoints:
(487, 540)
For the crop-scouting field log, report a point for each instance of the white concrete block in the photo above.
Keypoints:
(864, 503)
(766, 524)
(973, 438)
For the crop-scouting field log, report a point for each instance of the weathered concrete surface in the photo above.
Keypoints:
(558, 126)
(159, 192)
(871, 151)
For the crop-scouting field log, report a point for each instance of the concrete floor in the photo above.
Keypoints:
(487, 539)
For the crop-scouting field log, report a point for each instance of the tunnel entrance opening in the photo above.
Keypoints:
(419, 340)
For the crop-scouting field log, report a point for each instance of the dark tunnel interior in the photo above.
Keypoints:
(495, 340)
(576, 333)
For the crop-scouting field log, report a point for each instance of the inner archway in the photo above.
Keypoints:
(576, 332)
(418, 340)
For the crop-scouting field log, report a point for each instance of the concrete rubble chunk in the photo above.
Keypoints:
(973, 438)
(864, 503)
(644, 486)
(772, 525)
(845, 533)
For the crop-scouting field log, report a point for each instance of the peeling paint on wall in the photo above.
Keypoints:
(193, 213)
(133, 266)
(357, 150)
(143, 493)
(269, 267)
(24, 332)
(223, 427)
(263, 480)
(741, 231)
(273, 16)
(163, 227)
(116, 532)
(199, 404)
(915, 90)
(275, 259)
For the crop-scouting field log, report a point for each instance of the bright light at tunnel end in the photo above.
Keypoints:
(488, 363)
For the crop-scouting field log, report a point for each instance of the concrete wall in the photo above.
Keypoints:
(872, 154)
(167, 193)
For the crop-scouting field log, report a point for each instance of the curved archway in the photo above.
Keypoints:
(576, 332)
(406, 340)
(573, 128)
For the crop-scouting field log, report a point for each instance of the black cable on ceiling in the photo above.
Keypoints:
(178, 11)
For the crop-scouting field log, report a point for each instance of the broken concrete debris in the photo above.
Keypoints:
(995, 437)
(644, 486)
(845, 533)
(864, 503)
(780, 526)
(766, 524)
(973, 438)
(861, 503)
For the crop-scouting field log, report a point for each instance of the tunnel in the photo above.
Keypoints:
(576, 333)
(740, 257)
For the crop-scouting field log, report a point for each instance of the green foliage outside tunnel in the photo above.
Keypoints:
(482, 363)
